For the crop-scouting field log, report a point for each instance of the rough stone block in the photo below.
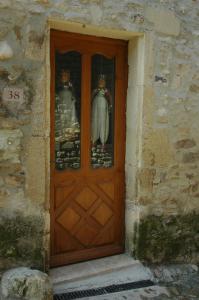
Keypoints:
(24, 283)
(21, 241)
(14, 180)
(164, 21)
(6, 51)
(157, 148)
(190, 157)
(194, 88)
(162, 239)
(8, 123)
(171, 273)
(35, 168)
(146, 177)
(10, 141)
(185, 143)
(34, 50)
(96, 13)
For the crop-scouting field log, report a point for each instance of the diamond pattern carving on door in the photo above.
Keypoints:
(102, 214)
(86, 198)
(108, 188)
(86, 234)
(63, 245)
(68, 219)
(86, 215)
(62, 193)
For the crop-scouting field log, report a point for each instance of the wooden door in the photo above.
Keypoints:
(88, 90)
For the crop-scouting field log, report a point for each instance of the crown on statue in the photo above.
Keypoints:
(102, 76)
(64, 70)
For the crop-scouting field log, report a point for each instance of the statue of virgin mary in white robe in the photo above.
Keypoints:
(101, 101)
(67, 102)
(66, 110)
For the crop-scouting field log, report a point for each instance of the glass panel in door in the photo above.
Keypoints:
(67, 110)
(102, 111)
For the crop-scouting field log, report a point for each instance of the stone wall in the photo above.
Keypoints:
(163, 188)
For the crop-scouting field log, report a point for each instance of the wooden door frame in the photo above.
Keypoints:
(140, 62)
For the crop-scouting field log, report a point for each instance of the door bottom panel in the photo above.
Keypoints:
(78, 256)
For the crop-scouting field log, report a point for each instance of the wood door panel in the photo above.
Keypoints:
(86, 235)
(102, 214)
(81, 255)
(69, 219)
(64, 204)
(87, 204)
(106, 235)
(108, 188)
(63, 245)
(61, 193)
(86, 198)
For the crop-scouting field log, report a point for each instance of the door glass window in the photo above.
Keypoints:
(67, 110)
(102, 111)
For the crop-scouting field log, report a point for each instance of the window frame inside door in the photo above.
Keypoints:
(110, 48)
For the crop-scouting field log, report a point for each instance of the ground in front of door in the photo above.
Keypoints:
(121, 277)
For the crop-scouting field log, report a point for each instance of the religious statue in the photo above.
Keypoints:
(101, 104)
(66, 124)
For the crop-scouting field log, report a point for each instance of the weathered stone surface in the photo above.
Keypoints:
(96, 13)
(25, 284)
(14, 180)
(10, 141)
(35, 149)
(43, 1)
(4, 193)
(1, 181)
(174, 239)
(157, 147)
(21, 240)
(5, 50)
(9, 123)
(164, 21)
(190, 157)
(194, 88)
(35, 48)
(185, 143)
(146, 177)
(171, 273)
(144, 200)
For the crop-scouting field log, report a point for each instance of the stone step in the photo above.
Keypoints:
(90, 268)
(98, 273)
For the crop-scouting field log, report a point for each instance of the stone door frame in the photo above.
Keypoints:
(139, 55)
